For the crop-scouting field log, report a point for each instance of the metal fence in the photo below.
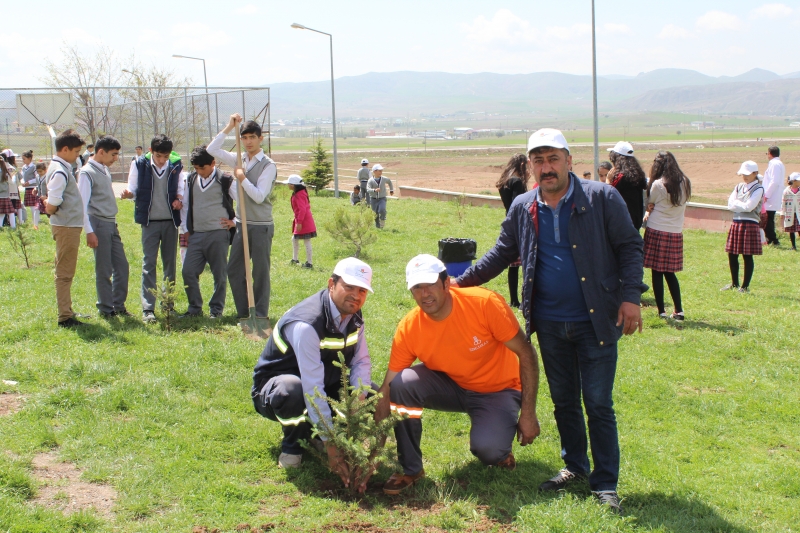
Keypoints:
(190, 116)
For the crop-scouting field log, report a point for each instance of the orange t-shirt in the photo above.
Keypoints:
(468, 345)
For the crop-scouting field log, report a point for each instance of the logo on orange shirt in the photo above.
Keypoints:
(477, 344)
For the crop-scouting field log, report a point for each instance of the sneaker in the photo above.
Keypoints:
(106, 315)
(610, 498)
(70, 323)
(729, 287)
(288, 460)
(294, 262)
(148, 317)
(215, 316)
(663, 315)
(400, 482)
(307, 265)
(744, 290)
(677, 316)
(561, 480)
(187, 314)
(124, 313)
(509, 463)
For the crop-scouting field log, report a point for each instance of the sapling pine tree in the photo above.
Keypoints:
(353, 429)
(20, 241)
(353, 226)
(168, 294)
(320, 172)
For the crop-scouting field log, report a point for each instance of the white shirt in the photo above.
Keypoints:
(263, 186)
(58, 182)
(85, 188)
(133, 177)
(774, 182)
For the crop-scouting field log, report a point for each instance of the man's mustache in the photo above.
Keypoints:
(548, 175)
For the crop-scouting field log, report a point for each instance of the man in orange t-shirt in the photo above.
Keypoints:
(474, 359)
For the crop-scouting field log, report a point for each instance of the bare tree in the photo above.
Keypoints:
(80, 75)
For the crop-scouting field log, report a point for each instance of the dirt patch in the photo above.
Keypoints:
(10, 403)
(63, 489)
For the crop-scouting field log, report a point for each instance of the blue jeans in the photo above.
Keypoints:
(576, 364)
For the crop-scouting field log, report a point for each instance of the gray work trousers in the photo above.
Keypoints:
(206, 248)
(158, 235)
(364, 194)
(494, 415)
(260, 239)
(111, 269)
(379, 207)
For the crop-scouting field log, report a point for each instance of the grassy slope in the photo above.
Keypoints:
(708, 415)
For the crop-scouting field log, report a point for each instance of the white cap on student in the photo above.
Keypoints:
(622, 148)
(547, 137)
(377, 166)
(365, 161)
(293, 179)
(8, 152)
(747, 168)
(794, 176)
(354, 272)
(423, 268)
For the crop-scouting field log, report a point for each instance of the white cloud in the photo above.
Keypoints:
(718, 20)
(618, 28)
(247, 9)
(504, 27)
(771, 11)
(671, 31)
(564, 33)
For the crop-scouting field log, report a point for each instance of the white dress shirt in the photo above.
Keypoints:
(133, 177)
(58, 182)
(263, 186)
(85, 188)
(774, 182)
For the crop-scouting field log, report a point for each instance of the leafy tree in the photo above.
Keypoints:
(320, 173)
(353, 227)
(353, 430)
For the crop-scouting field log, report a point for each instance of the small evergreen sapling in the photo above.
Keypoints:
(20, 241)
(353, 227)
(168, 294)
(353, 430)
(320, 172)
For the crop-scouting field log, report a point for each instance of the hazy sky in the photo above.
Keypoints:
(253, 44)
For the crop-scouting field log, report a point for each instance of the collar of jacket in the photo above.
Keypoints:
(330, 324)
(580, 203)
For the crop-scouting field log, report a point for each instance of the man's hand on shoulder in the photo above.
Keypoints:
(630, 317)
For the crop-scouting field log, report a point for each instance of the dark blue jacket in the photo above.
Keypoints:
(606, 248)
(144, 192)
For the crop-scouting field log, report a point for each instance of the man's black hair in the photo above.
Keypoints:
(335, 278)
(604, 164)
(364, 164)
(200, 156)
(251, 126)
(357, 187)
(443, 276)
(587, 172)
(161, 144)
(107, 143)
(774, 151)
(41, 165)
(139, 147)
(90, 146)
(69, 139)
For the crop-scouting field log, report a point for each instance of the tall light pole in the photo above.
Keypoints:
(333, 111)
(205, 78)
(594, 101)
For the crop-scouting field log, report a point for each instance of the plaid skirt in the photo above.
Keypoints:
(762, 220)
(30, 197)
(6, 207)
(183, 239)
(40, 205)
(16, 203)
(663, 251)
(795, 228)
(302, 236)
(743, 238)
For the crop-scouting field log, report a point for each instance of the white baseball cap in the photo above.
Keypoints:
(423, 268)
(8, 152)
(294, 179)
(794, 176)
(547, 137)
(747, 168)
(365, 161)
(622, 148)
(377, 166)
(354, 272)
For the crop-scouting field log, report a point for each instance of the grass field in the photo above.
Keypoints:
(163, 422)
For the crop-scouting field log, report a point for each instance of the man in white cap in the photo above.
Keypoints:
(582, 261)
(363, 178)
(299, 357)
(379, 188)
(773, 187)
(474, 359)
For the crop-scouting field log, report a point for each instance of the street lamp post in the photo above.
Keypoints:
(333, 111)
(205, 78)
(594, 101)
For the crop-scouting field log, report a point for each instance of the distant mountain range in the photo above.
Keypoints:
(400, 94)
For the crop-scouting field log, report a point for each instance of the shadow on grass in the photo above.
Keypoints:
(658, 510)
(728, 330)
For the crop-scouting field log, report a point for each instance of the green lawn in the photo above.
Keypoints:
(708, 415)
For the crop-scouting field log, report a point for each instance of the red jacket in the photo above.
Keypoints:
(302, 213)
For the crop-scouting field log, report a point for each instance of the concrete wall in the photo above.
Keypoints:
(708, 217)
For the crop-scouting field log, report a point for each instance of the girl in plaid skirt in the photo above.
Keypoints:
(743, 236)
(667, 193)
(6, 207)
(791, 207)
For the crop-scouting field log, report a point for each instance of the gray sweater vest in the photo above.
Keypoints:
(102, 202)
(3, 189)
(257, 214)
(160, 208)
(207, 206)
(29, 174)
(363, 175)
(70, 212)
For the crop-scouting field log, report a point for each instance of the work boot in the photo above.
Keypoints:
(289, 460)
(509, 463)
(400, 482)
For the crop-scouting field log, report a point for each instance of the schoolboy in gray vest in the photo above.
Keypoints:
(363, 178)
(156, 183)
(65, 207)
(207, 215)
(257, 179)
(111, 267)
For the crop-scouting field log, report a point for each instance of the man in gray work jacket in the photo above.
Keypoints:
(582, 260)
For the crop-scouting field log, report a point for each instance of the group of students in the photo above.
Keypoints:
(373, 189)
(29, 177)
